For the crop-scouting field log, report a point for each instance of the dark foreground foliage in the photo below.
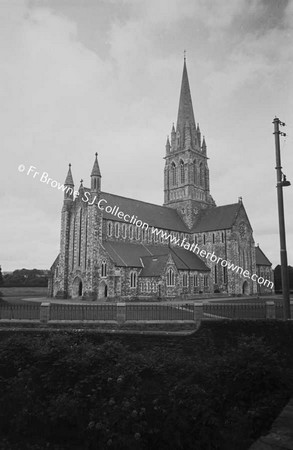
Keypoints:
(217, 389)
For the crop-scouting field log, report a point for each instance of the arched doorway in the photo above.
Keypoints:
(77, 288)
(103, 290)
(245, 288)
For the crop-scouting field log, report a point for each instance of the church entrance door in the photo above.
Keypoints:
(103, 290)
(245, 288)
(77, 288)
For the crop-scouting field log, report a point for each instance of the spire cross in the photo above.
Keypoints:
(184, 55)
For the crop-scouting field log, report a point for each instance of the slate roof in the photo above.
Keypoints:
(132, 255)
(216, 218)
(153, 215)
(153, 266)
(261, 259)
(210, 219)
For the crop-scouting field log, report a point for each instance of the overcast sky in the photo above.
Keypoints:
(80, 76)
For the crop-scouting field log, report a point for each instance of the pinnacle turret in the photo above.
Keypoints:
(96, 169)
(69, 179)
(96, 176)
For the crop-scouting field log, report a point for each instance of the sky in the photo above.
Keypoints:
(80, 76)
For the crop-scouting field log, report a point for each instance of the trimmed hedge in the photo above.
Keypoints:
(216, 389)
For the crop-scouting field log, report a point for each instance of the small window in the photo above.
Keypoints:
(109, 228)
(137, 233)
(150, 235)
(204, 239)
(195, 238)
(117, 229)
(104, 269)
(195, 280)
(216, 274)
(124, 230)
(213, 238)
(131, 232)
(223, 237)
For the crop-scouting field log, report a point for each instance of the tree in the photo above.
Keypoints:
(1, 277)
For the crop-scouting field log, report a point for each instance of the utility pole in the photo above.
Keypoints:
(282, 182)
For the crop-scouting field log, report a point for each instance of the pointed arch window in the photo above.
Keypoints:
(201, 175)
(133, 279)
(182, 172)
(116, 229)
(170, 277)
(104, 269)
(124, 230)
(79, 238)
(185, 280)
(194, 172)
(173, 174)
(109, 228)
(131, 232)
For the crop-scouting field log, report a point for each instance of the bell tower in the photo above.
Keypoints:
(186, 173)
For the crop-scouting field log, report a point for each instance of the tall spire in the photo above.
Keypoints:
(185, 110)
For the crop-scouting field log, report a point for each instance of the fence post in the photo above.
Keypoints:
(198, 312)
(121, 313)
(45, 312)
(270, 310)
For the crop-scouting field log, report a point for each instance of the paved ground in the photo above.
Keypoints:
(281, 435)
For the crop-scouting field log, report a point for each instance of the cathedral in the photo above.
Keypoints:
(105, 254)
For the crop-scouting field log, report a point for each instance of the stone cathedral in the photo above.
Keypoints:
(105, 255)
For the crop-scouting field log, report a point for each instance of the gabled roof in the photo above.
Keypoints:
(166, 218)
(131, 255)
(216, 218)
(153, 266)
(153, 215)
(261, 259)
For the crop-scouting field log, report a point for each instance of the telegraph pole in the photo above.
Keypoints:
(282, 182)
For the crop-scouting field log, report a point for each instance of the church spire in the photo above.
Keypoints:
(185, 110)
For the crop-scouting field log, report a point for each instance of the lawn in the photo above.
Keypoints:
(15, 294)
(219, 388)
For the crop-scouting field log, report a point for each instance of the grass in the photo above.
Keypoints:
(15, 294)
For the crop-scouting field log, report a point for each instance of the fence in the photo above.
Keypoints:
(141, 313)
(19, 312)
